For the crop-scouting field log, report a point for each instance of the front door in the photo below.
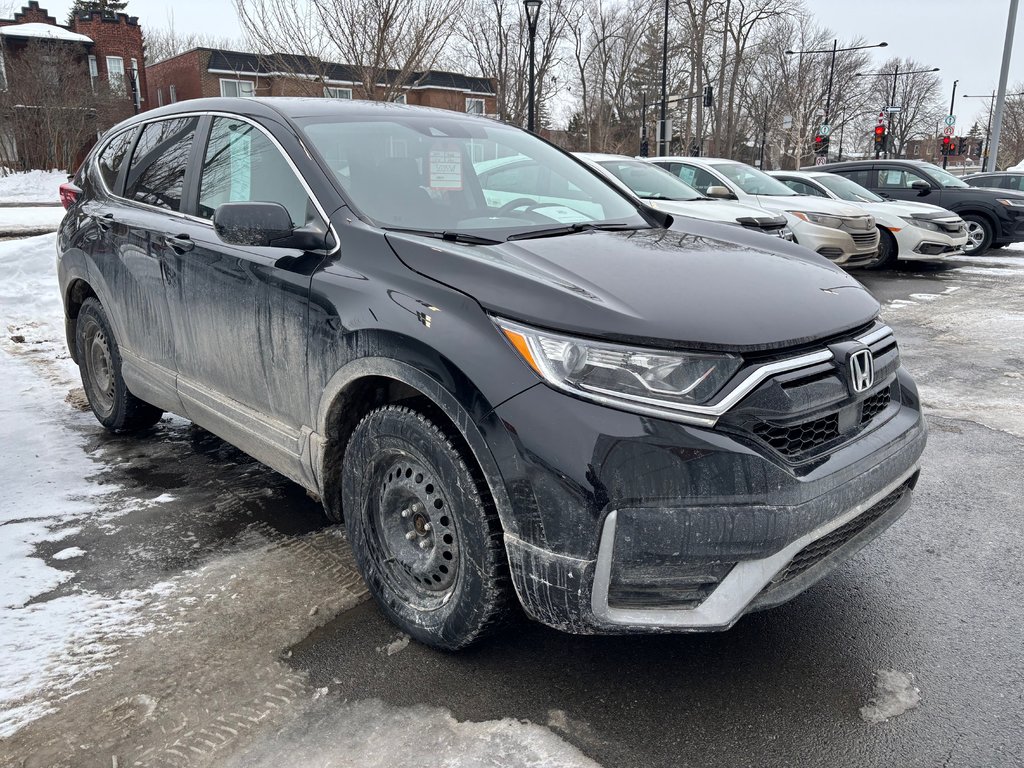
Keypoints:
(240, 312)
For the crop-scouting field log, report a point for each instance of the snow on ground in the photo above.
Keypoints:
(44, 471)
(894, 694)
(29, 220)
(32, 186)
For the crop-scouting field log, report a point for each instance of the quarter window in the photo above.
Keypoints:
(157, 173)
(237, 87)
(863, 177)
(242, 165)
(112, 157)
(802, 189)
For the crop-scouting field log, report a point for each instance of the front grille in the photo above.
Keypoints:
(821, 548)
(798, 439)
(874, 405)
(864, 238)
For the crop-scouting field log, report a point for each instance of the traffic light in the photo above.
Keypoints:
(709, 96)
(820, 144)
(879, 137)
(947, 146)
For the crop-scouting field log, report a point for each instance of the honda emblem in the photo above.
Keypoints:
(862, 370)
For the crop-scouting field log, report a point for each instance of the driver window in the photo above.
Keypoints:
(702, 180)
(156, 175)
(242, 165)
(898, 179)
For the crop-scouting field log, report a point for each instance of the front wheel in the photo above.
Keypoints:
(888, 250)
(979, 234)
(99, 360)
(424, 532)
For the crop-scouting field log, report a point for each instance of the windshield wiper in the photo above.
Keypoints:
(447, 235)
(571, 229)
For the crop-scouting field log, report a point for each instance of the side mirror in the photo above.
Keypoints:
(922, 187)
(265, 225)
(722, 193)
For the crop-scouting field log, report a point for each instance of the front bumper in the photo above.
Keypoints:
(838, 245)
(917, 244)
(612, 492)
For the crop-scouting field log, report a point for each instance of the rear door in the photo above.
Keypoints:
(240, 312)
(131, 256)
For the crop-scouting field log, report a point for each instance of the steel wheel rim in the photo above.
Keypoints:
(411, 531)
(975, 236)
(100, 367)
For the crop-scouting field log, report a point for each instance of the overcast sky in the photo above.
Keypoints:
(963, 37)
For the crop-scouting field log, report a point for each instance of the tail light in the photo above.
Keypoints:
(69, 194)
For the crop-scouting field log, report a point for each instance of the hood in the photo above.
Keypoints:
(810, 204)
(710, 210)
(712, 286)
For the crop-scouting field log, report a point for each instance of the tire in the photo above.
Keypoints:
(979, 234)
(888, 251)
(99, 362)
(424, 532)
(996, 246)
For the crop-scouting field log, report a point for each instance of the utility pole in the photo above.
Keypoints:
(764, 132)
(663, 144)
(952, 105)
(1004, 73)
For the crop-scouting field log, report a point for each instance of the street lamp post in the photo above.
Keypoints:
(895, 75)
(952, 105)
(663, 145)
(832, 67)
(532, 14)
(988, 128)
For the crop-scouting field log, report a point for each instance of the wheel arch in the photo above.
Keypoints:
(78, 290)
(367, 383)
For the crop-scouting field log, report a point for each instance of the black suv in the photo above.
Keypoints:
(627, 423)
(994, 217)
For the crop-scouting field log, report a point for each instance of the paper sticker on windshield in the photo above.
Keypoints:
(445, 169)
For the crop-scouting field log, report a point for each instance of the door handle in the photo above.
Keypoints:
(180, 243)
(104, 222)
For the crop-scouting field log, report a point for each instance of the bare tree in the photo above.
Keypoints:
(1011, 137)
(163, 43)
(384, 41)
(49, 112)
(917, 96)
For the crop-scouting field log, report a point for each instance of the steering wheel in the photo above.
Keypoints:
(519, 202)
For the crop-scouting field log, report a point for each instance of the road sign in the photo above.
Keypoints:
(950, 120)
(824, 129)
(894, 109)
(949, 130)
(821, 160)
(881, 118)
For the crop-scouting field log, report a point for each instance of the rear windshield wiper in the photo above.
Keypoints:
(448, 235)
(570, 229)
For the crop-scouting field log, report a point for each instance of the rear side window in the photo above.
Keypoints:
(157, 172)
(242, 165)
(865, 178)
(111, 158)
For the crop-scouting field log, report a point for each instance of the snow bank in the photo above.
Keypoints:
(31, 186)
(46, 31)
(46, 643)
(29, 220)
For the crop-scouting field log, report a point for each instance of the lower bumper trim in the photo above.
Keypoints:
(744, 583)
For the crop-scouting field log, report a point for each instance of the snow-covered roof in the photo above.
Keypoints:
(49, 31)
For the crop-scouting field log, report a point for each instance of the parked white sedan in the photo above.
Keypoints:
(660, 189)
(842, 233)
(909, 231)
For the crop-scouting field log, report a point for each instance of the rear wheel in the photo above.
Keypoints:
(99, 361)
(888, 250)
(979, 234)
(424, 532)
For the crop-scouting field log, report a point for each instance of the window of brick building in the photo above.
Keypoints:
(3, 72)
(330, 92)
(400, 99)
(237, 87)
(115, 74)
(475, 106)
(174, 94)
(94, 72)
(159, 97)
(137, 83)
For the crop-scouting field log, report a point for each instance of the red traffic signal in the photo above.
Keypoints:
(946, 141)
(879, 130)
(818, 139)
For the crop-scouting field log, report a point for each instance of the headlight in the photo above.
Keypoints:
(922, 223)
(819, 218)
(1011, 202)
(628, 376)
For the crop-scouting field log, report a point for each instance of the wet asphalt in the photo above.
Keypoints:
(939, 596)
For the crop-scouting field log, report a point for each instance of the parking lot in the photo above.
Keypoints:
(241, 635)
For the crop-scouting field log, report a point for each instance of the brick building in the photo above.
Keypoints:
(204, 72)
(94, 66)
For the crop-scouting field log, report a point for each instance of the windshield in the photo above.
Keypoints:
(752, 181)
(846, 189)
(650, 182)
(440, 175)
(945, 178)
